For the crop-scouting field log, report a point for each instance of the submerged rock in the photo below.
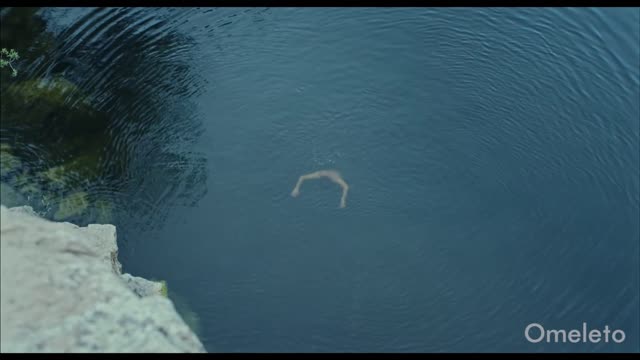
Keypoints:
(62, 290)
(188, 315)
(71, 205)
(8, 162)
(104, 211)
(9, 196)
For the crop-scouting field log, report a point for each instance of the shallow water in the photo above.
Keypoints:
(492, 157)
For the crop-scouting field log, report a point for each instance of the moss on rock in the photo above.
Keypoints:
(56, 91)
(164, 290)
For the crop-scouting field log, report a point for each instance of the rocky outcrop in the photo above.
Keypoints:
(62, 290)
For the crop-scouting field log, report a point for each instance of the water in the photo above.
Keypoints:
(492, 157)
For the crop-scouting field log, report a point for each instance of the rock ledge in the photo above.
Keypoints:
(62, 290)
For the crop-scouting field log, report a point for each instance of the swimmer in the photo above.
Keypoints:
(332, 175)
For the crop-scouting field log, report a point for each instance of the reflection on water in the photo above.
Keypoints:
(102, 119)
(97, 128)
(492, 159)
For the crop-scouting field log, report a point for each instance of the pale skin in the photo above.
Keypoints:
(332, 175)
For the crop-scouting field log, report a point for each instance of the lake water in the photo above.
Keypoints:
(492, 157)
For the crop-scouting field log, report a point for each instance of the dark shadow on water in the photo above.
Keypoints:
(99, 124)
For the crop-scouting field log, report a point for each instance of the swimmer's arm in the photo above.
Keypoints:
(296, 189)
(333, 175)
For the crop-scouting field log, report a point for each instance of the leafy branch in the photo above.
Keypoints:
(7, 57)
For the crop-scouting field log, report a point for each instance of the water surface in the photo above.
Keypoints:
(492, 157)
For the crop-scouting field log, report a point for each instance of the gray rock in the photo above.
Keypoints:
(60, 292)
(141, 286)
(103, 241)
(27, 210)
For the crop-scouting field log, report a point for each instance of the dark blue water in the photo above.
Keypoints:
(492, 157)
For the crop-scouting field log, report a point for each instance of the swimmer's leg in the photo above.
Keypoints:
(343, 200)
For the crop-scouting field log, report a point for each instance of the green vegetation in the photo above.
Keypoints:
(7, 57)
(164, 290)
